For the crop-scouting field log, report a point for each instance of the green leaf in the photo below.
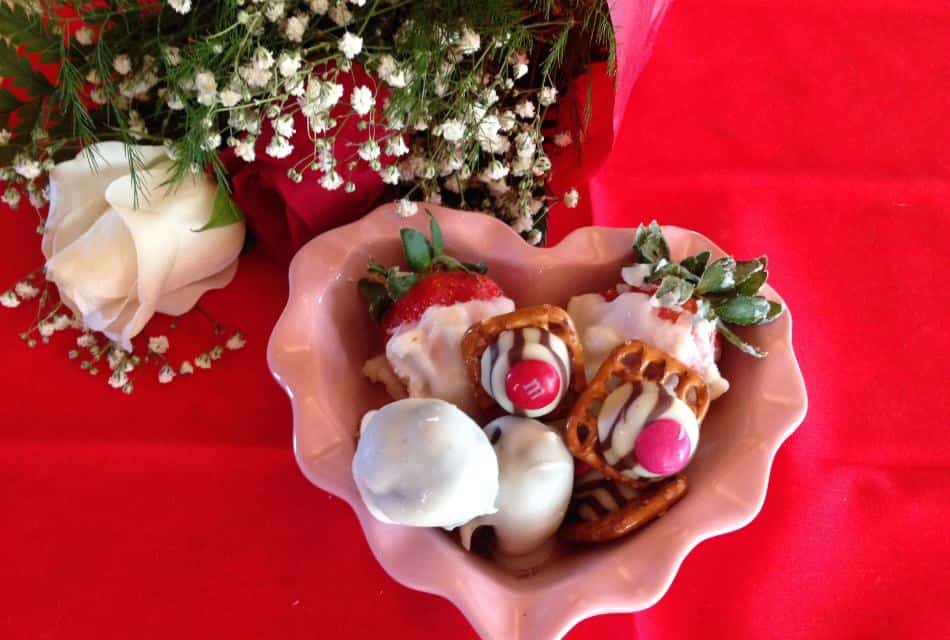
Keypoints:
(743, 346)
(696, 264)
(225, 212)
(475, 267)
(753, 283)
(672, 269)
(7, 102)
(23, 27)
(417, 250)
(376, 267)
(748, 268)
(435, 231)
(744, 310)
(399, 283)
(719, 276)
(376, 296)
(649, 245)
(20, 73)
(775, 310)
(673, 292)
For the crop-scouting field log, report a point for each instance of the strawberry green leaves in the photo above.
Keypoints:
(725, 290)
(385, 285)
(417, 249)
(649, 245)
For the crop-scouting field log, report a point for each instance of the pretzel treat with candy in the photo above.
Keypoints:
(638, 420)
(528, 362)
(603, 510)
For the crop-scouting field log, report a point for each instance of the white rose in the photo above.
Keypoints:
(116, 264)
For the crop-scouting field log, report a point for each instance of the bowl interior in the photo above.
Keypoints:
(326, 334)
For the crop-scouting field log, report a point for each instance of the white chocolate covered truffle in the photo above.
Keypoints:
(423, 462)
(536, 473)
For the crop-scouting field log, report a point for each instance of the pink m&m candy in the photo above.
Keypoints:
(532, 384)
(663, 447)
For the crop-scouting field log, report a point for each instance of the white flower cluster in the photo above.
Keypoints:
(465, 129)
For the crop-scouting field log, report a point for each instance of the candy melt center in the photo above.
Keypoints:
(663, 447)
(532, 384)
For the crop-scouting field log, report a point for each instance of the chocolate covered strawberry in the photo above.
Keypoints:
(423, 313)
(680, 307)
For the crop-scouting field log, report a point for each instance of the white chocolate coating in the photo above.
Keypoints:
(536, 473)
(427, 354)
(529, 343)
(424, 463)
(602, 326)
(624, 414)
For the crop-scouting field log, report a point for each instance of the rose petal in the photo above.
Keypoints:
(77, 189)
(183, 299)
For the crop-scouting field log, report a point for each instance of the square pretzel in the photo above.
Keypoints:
(555, 320)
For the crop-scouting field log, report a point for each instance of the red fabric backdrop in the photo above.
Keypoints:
(813, 131)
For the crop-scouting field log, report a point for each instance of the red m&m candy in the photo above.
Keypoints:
(532, 384)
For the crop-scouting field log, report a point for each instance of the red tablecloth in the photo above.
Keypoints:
(816, 132)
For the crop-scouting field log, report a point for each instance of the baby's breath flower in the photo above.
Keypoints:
(547, 96)
(358, 3)
(275, 10)
(495, 171)
(571, 198)
(362, 100)
(522, 224)
(396, 147)
(181, 6)
(166, 374)
(5, 137)
(207, 87)
(390, 174)
(11, 197)
(319, 7)
(186, 368)
(525, 109)
(534, 237)
(452, 130)
(122, 64)
(158, 344)
(118, 379)
(203, 361)
(406, 208)
(296, 26)
(469, 42)
(86, 340)
(9, 300)
(541, 166)
(236, 342)
(331, 181)
(284, 125)
(350, 45)
(27, 167)
(519, 70)
(173, 101)
(340, 15)
(228, 97)
(244, 149)
(525, 146)
(563, 139)
(61, 322)
(369, 150)
(288, 63)
(216, 352)
(83, 36)
(25, 290)
(279, 147)
(172, 56)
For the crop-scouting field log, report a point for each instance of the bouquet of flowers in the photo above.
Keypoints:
(140, 122)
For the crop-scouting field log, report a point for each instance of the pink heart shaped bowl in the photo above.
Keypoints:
(325, 334)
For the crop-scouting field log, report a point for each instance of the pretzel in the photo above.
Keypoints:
(631, 362)
(637, 507)
(555, 320)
